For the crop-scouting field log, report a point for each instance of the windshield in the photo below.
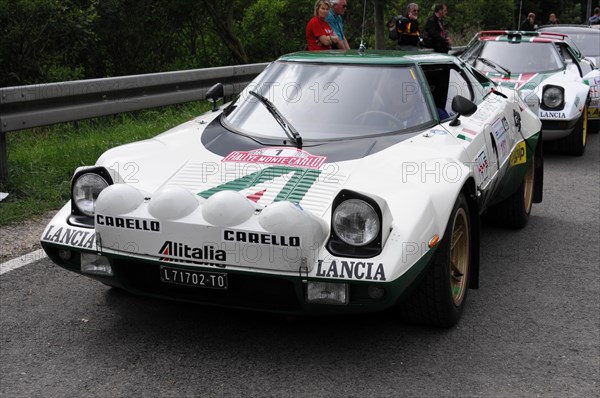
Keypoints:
(332, 101)
(523, 57)
(588, 43)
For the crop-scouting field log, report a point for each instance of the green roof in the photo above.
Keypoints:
(381, 57)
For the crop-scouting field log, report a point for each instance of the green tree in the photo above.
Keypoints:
(57, 40)
(271, 28)
(469, 18)
(134, 36)
(44, 40)
(225, 20)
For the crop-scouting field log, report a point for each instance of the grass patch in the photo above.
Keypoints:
(41, 161)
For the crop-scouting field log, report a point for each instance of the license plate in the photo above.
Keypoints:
(211, 280)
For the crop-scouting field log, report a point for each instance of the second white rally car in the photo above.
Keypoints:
(554, 77)
(336, 182)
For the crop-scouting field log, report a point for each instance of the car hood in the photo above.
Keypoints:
(204, 159)
(520, 81)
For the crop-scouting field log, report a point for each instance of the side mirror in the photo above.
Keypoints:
(214, 94)
(462, 106)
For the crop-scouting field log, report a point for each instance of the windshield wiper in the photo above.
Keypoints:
(289, 130)
(495, 66)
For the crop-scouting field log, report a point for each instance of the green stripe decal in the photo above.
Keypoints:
(462, 137)
(294, 190)
(298, 185)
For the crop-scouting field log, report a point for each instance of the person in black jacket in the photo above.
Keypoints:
(529, 23)
(436, 36)
(407, 29)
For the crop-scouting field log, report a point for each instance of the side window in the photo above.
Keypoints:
(570, 60)
(445, 82)
(457, 85)
(564, 52)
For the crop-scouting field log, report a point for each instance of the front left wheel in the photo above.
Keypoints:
(440, 298)
(574, 144)
(513, 212)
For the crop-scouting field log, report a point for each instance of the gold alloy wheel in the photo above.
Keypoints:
(459, 256)
(528, 189)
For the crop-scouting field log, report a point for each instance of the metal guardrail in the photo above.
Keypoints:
(24, 107)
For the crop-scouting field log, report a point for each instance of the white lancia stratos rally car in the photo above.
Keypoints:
(336, 182)
(555, 79)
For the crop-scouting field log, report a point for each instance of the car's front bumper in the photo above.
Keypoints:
(557, 129)
(272, 292)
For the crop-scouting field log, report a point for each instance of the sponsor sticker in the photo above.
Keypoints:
(500, 129)
(359, 270)
(595, 88)
(519, 154)
(431, 133)
(138, 224)
(182, 252)
(482, 165)
(70, 237)
(281, 156)
(258, 238)
(552, 115)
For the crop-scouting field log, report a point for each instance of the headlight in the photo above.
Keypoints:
(531, 100)
(553, 97)
(360, 225)
(355, 222)
(85, 191)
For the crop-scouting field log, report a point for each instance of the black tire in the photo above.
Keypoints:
(574, 144)
(593, 126)
(440, 297)
(514, 211)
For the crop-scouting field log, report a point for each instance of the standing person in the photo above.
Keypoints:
(595, 18)
(407, 28)
(436, 34)
(552, 20)
(529, 23)
(319, 35)
(338, 9)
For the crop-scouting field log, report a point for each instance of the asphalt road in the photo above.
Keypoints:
(532, 329)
